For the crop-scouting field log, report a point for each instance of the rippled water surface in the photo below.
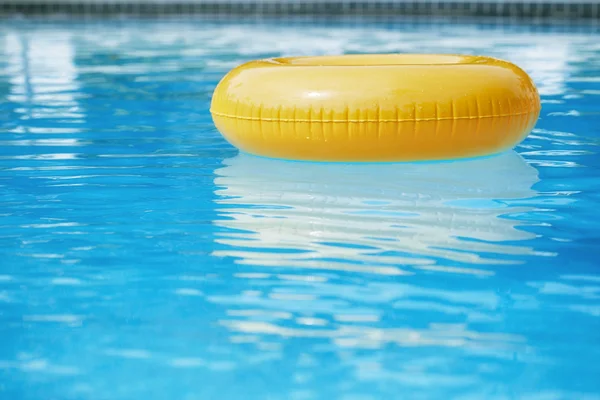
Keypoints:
(141, 257)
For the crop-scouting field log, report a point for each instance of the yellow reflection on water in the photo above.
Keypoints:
(378, 218)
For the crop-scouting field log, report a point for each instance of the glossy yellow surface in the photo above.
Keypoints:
(375, 107)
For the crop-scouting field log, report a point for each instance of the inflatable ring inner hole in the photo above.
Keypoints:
(356, 60)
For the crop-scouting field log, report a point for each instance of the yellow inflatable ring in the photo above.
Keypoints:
(388, 107)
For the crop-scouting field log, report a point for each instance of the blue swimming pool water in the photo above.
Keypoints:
(142, 258)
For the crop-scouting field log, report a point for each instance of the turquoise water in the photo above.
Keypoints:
(142, 257)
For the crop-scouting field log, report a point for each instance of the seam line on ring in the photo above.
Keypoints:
(369, 120)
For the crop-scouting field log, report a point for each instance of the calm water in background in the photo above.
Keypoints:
(142, 257)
